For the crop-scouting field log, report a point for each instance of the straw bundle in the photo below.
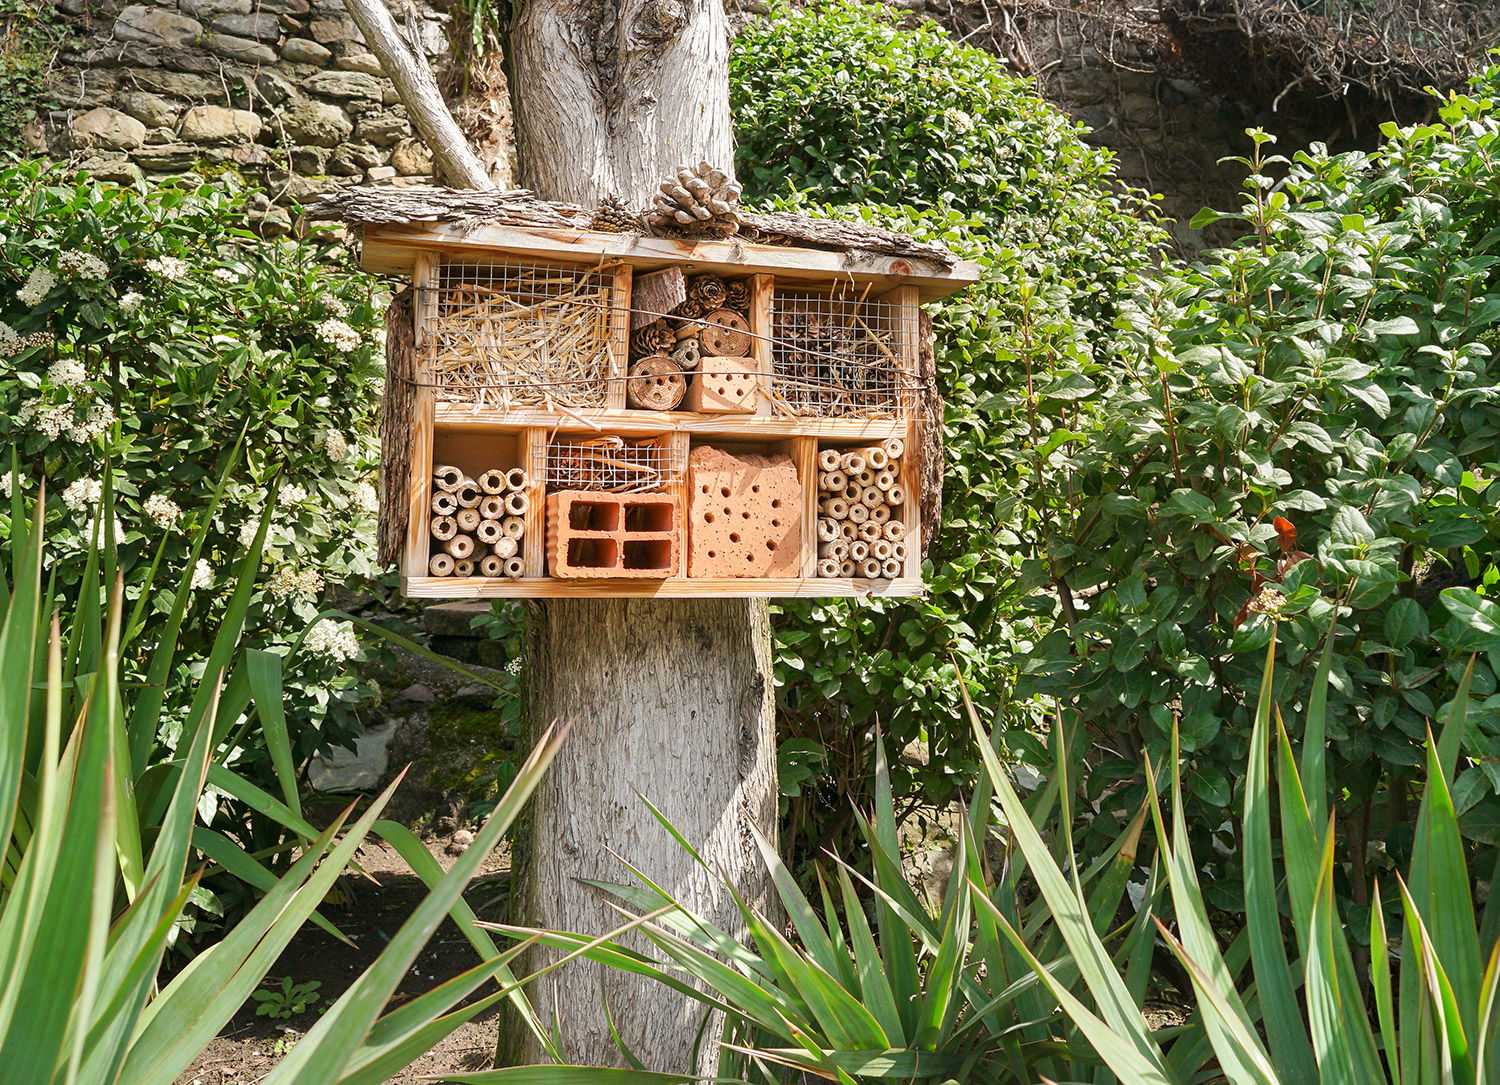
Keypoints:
(526, 337)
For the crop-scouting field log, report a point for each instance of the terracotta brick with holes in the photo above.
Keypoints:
(744, 515)
(724, 386)
(612, 535)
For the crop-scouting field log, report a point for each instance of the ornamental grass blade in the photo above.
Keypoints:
(874, 983)
(411, 849)
(1286, 1033)
(1439, 878)
(1454, 1055)
(263, 673)
(1225, 1017)
(1070, 913)
(192, 1008)
(1121, 1053)
(333, 1041)
(1380, 985)
(1337, 1019)
(570, 1075)
(1484, 1054)
(799, 910)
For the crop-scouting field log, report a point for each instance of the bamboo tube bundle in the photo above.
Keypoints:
(518, 335)
(860, 531)
(483, 538)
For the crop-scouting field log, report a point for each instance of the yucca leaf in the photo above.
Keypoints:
(1116, 1006)
(874, 984)
(1290, 1049)
(263, 673)
(1455, 1057)
(1380, 985)
(570, 1075)
(809, 927)
(1122, 1054)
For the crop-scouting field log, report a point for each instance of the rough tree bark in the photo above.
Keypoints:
(671, 699)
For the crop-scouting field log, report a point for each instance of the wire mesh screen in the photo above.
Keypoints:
(836, 353)
(520, 335)
(610, 464)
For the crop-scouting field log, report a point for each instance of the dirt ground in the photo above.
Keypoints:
(369, 915)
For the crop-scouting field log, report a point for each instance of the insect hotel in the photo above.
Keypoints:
(589, 403)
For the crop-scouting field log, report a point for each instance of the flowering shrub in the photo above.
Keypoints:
(147, 334)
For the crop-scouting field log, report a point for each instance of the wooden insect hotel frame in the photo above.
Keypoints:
(573, 412)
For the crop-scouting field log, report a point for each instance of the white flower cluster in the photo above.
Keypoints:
(335, 306)
(335, 446)
(336, 640)
(162, 509)
(247, 532)
(168, 267)
(83, 492)
(339, 335)
(38, 285)
(131, 302)
(6, 484)
(290, 494)
(287, 582)
(83, 264)
(10, 342)
(203, 575)
(67, 373)
(95, 423)
(226, 275)
(365, 498)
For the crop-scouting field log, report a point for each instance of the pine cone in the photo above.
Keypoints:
(612, 216)
(709, 290)
(653, 338)
(687, 312)
(703, 200)
(737, 296)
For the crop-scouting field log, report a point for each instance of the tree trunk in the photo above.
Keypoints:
(611, 97)
(669, 699)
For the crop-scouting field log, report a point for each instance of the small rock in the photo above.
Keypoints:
(332, 30)
(417, 693)
(178, 84)
(359, 62)
(190, 60)
(121, 54)
(316, 124)
(411, 157)
(309, 160)
(383, 129)
(152, 110)
(271, 224)
(345, 85)
(105, 127)
(381, 173)
(286, 7)
(116, 169)
(155, 26)
(273, 89)
(169, 157)
(460, 843)
(260, 26)
(241, 49)
(302, 51)
(215, 124)
(356, 769)
(212, 9)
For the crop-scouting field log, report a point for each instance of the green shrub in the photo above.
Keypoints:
(836, 103)
(149, 331)
(1335, 370)
(32, 32)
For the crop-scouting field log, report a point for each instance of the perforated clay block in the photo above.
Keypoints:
(744, 515)
(593, 534)
(724, 386)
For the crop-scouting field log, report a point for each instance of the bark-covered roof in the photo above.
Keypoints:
(391, 205)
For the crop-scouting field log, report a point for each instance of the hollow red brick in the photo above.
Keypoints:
(613, 535)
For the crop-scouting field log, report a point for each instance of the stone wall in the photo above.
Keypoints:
(283, 91)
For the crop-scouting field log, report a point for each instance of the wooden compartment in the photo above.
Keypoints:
(475, 503)
(866, 504)
(842, 351)
(516, 334)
